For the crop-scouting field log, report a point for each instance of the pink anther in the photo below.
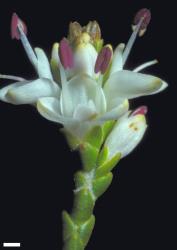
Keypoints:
(66, 54)
(103, 60)
(16, 22)
(144, 14)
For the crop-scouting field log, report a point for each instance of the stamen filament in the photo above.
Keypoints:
(29, 51)
(145, 65)
(10, 77)
(131, 41)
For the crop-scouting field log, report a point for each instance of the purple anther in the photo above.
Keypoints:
(144, 14)
(15, 23)
(66, 54)
(142, 110)
(103, 60)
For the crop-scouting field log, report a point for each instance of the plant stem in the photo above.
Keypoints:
(79, 225)
(91, 183)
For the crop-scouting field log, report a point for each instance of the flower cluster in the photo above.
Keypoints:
(85, 83)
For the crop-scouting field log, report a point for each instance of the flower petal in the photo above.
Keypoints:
(30, 92)
(117, 63)
(79, 90)
(114, 102)
(163, 87)
(126, 135)
(49, 108)
(116, 112)
(43, 66)
(128, 84)
(85, 112)
(100, 100)
(79, 129)
(3, 91)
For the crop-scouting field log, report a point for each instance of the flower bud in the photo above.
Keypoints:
(142, 110)
(126, 134)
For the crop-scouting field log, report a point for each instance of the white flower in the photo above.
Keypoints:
(127, 133)
(85, 88)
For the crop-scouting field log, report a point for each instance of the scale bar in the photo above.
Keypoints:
(6, 244)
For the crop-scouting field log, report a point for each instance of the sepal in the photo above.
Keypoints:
(69, 227)
(90, 147)
(85, 230)
(74, 243)
(107, 166)
(101, 184)
(107, 127)
(77, 232)
(103, 156)
(94, 137)
(89, 156)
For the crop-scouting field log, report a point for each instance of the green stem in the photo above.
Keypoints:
(78, 226)
(91, 183)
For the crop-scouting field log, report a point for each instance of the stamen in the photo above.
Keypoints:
(14, 27)
(146, 15)
(29, 51)
(10, 77)
(103, 60)
(93, 29)
(66, 54)
(75, 31)
(142, 110)
(142, 19)
(19, 31)
(131, 42)
(145, 65)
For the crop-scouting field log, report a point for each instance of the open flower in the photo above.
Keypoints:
(85, 84)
